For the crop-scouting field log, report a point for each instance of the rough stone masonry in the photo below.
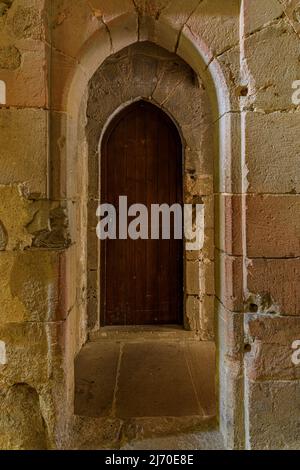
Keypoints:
(224, 71)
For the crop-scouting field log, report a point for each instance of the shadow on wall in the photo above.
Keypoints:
(22, 424)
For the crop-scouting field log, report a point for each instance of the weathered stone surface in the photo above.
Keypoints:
(10, 58)
(27, 223)
(257, 14)
(16, 213)
(272, 152)
(273, 415)
(3, 237)
(229, 214)
(265, 60)
(229, 282)
(193, 277)
(162, 22)
(33, 353)
(271, 340)
(21, 422)
(217, 24)
(27, 85)
(227, 142)
(230, 334)
(49, 226)
(273, 226)
(207, 328)
(26, 22)
(72, 27)
(62, 69)
(4, 6)
(23, 152)
(292, 11)
(30, 287)
(192, 312)
(109, 10)
(231, 403)
(277, 280)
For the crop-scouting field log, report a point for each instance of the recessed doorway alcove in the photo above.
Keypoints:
(150, 305)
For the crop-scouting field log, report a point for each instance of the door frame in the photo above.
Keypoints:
(115, 118)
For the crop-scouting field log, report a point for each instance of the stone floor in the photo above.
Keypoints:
(146, 388)
(148, 373)
(203, 440)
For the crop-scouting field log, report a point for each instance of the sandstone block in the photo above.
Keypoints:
(217, 24)
(33, 352)
(229, 215)
(273, 418)
(230, 334)
(27, 84)
(273, 226)
(23, 152)
(271, 352)
(16, 213)
(265, 61)
(21, 421)
(31, 287)
(257, 14)
(229, 281)
(72, 27)
(272, 152)
(273, 284)
(192, 278)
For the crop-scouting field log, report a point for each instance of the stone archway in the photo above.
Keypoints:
(217, 82)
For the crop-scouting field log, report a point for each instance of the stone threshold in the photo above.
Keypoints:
(144, 333)
(113, 434)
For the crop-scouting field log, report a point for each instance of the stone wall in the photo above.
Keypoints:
(245, 57)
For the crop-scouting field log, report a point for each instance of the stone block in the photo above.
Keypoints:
(217, 24)
(24, 148)
(266, 53)
(27, 83)
(271, 340)
(273, 226)
(273, 285)
(33, 353)
(272, 152)
(257, 14)
(207, 327)
(21, 420)
(207, 277)
(229, 281)
(231, 403)
(230, 334)
(229, 237)
(228, 167)
(292, 11)
(72, 27)
(273, 415)
(63, 69)
(192, 278)
(31, 287)
(109, 10)
(16, 213)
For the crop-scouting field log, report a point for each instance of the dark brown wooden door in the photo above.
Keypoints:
(141, 280)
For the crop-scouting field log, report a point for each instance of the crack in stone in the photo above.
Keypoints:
(114, 402)
(185, 23)
(100, 18)
(273, 22)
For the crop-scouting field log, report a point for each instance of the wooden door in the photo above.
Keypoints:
(141, 280)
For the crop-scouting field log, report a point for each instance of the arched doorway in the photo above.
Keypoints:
(141, 158)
